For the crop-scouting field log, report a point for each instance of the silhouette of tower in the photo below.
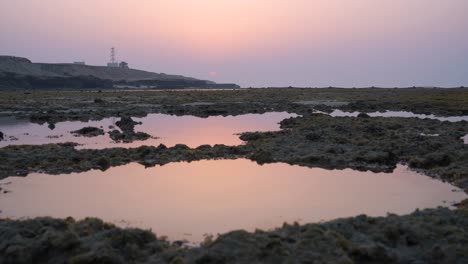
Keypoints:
(113, 62)
(112, 55)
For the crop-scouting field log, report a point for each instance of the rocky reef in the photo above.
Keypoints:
(89, 132)
(128, 134)
(375, 144)
(82, 105)
(64, 158)
(315, 140)
(427, 236)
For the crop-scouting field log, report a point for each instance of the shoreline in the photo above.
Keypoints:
(431, 235)
(312, 140)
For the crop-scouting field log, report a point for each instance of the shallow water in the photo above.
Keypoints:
(188, 200)
(339, 113)
(169, 130)
(405, 114)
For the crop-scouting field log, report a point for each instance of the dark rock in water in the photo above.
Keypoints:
(128, 137)
(363, 115)
(204, 147)
(89, 132)
(104, 163)
(40, 118)
(1, 136)
(181, 147)
(250, 136)
(262, 157)
(127, 124)
(128, 134)
(141, 136)
(162, 146)
(51, 126)
(116, 135)
(99, 101)
(68, 144)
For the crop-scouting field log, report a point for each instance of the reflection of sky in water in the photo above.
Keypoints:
(401, 114)
(169, 130)
(338, 113)
(223, 195)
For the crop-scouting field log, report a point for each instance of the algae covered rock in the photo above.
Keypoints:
(363, 115)
(103, 163)
(127, 124)
(47, 240)
(261, 157)
(127, 133)
(89, 132)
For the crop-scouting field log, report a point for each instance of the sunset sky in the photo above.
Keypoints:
(252, 42)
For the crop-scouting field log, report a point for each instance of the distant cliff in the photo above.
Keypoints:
(16, 72)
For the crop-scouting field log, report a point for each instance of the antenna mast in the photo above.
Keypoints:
(112, 58)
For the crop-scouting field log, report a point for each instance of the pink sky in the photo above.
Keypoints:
(252, 42)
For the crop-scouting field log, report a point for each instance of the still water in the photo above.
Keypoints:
(187, 200)
(166, 129)
(404, 114)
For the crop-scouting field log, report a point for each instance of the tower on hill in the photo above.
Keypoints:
(113, 62)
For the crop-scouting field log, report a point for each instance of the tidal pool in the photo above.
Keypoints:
(405, 114)
(166, 129)
(400, 114)
(188, 200)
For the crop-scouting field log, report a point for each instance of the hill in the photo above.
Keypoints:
(17, 72)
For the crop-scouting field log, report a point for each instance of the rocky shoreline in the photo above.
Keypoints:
(427, 236)
(377, 144)
(57, 106)
(315, 140)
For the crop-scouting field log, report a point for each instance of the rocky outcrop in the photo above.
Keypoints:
(317, 140)
(64, 158)
(428, 236)
(127, 133)
(89, 132)
(126, 124)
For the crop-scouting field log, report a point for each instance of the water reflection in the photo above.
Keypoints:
(404, 114)
(339, 113)
(169, 130)
(187, 200)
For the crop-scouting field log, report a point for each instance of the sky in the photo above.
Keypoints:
(258, 43)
